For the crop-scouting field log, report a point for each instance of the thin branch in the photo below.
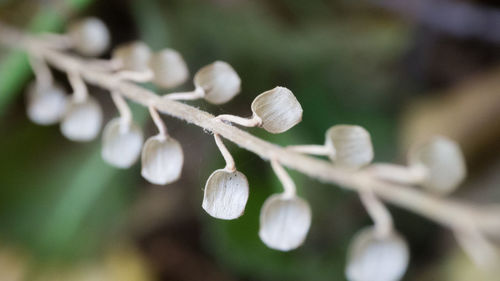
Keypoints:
(284, 177)
(122, 106)
(448, 212)
(230, 165)
(378, 212)
(162, 128)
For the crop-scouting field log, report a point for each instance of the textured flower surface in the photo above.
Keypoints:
(162, 160)
(284, 222)
(352, 144)
(444, 163)
(374, 258)
(226, 194)
(169, 68)
(219, 81)
(83, 120)
(278, 109)
(121, 143)
(46, 106)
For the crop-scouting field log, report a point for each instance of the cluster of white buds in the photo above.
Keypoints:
(380, 253)
(376, 253)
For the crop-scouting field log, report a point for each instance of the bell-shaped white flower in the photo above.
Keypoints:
(133, 56)
(352, 145)
(162, 160)
(226, 194)
(45, 105)
(89, 36)
(284, 222)
(121, 143)
(219, 81)
(278, 110)
(443, 161)
(373, 257)
(169, 68)
(82, 120)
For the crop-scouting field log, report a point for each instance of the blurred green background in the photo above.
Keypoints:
(401, 73)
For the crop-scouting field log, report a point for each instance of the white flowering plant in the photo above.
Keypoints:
(434, 168)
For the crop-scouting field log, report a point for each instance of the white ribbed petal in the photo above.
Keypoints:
(444, 163)
(46, 106)
(121, 143)
(219, 81)
(169, 68)
(353, 145)
(90, 36)
(278, 108)
(82, 120)
(377, 259)
(133, 56)
(226, 194)
(284, 222)
(162, 160)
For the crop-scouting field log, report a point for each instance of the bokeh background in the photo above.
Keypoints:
(405, 70)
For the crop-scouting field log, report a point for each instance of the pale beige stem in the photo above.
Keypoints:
(246, 122)
(399, 174)
(230, 165)
(43, 75)
(135, 76)
(197, 93)
(312, 149)
(378, 212)
(80, 92)
(162, 128)
(448, 212)
(288, 185)
(122, 106)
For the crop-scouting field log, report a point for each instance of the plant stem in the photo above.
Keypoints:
(448, 212)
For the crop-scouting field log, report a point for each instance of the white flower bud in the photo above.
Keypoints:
(352, 144)
(162, 160)
(219, 81)
(375, 258)
(121, 143)
(89, 36)
(226, 194)
(133, 56)
(444, 164)
(82, 120)
(46, 106)
(278, 109)
(169, 68)
(284, 222)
